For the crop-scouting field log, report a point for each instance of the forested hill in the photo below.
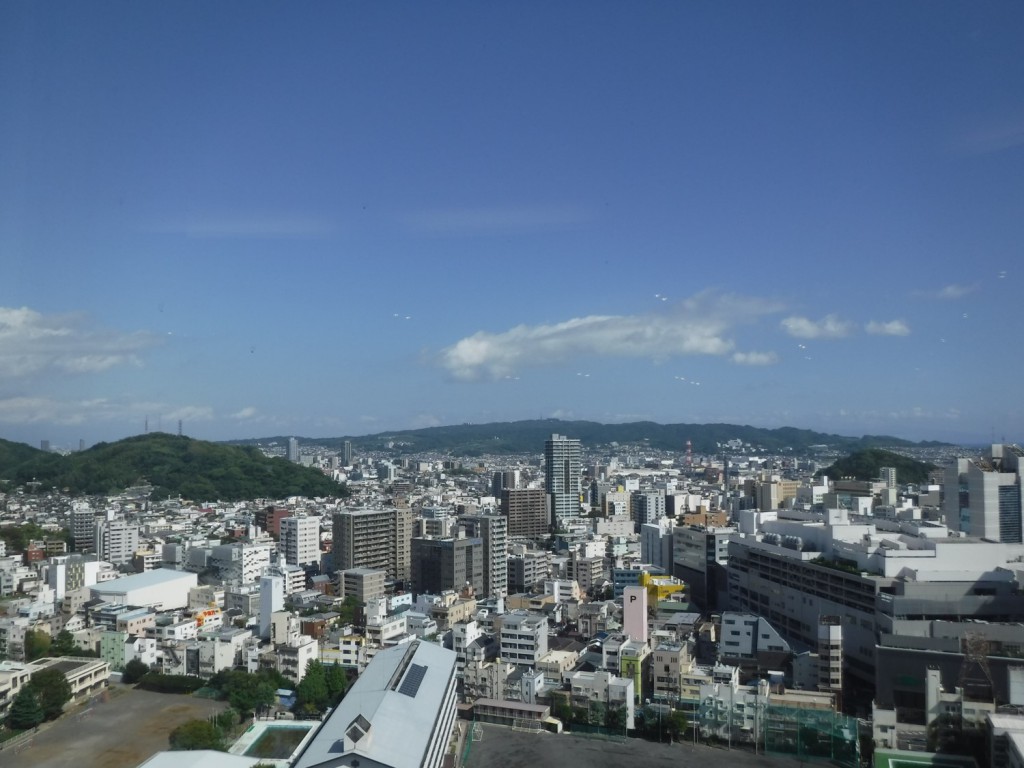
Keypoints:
(519, 437)
(173, 465)
(867, 465)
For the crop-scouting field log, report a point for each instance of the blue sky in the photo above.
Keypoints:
(342, 218)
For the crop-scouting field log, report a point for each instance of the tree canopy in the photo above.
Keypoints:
(311, 694)
(196, 734)
(867, 465)
(26, 711)
(37, 644)
(54, 691)
(245, 692)
(172, 465)
(64, 644)
(19, 536)
(134, 671)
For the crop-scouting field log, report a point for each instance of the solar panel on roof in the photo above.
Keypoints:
(412, 681)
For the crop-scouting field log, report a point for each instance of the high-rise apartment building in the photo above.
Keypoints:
(447, 564)
(300, 540)
(116, 540)
(346, 453)
(562, 475)
(83, 528)
(493, 531)
(647, 507)
(502, 479)
(373, 538)
(526, 512)
(293, 450)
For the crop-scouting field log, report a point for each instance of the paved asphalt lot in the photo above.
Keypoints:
(504, 748)
(121, 732)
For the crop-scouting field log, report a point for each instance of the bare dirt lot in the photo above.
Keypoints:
(504, 748)
(121, 732)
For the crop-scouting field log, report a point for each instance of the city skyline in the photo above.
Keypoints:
(346, 219)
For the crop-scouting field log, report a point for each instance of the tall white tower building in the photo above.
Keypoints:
(300, 540)
(562, 470)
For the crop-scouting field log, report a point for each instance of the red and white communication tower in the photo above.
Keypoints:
(689, 455)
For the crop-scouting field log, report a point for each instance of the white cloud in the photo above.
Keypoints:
(829, 327)
(249, 412)
(30, 410)
(698, 326)
(891, 328)
(33, 343)
(755, 358)
(956, 291)
(44, 409)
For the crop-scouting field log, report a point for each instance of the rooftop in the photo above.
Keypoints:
(389, 715)
(152, 578)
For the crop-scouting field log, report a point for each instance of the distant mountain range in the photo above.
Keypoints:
(173, 465)
(200, 470)
(520, 437)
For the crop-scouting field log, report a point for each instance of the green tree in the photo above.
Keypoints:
(652, 722)
(26, 711)
(54, 691)
(247, 693)
(349, 610)
(615, 719)
(337, 683)
(227, 719)
(677, 725)
(37, 644)
(195, 734)
(64, 644)
(311, 694)
(134, 671)
(561, 708)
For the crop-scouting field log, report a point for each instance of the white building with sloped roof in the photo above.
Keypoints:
(399, 714)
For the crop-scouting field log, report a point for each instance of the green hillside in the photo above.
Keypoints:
(173, 465)
(519, 437)
(866, 465)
